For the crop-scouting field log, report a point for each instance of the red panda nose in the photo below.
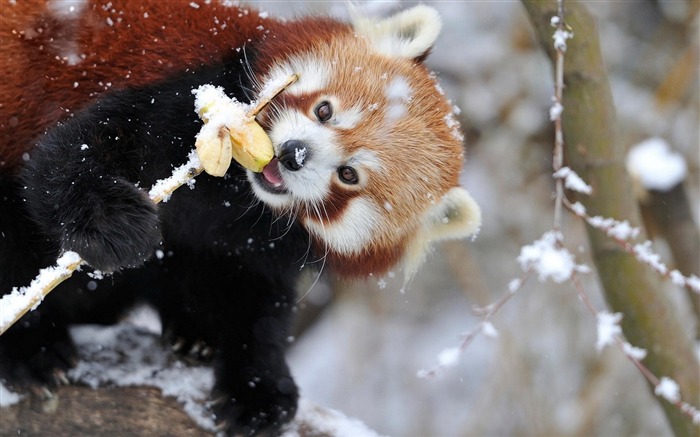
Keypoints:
(293, 154)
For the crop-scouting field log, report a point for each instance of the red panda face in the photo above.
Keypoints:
(368, 152)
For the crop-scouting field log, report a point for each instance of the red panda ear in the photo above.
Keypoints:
(407, 34)
(456, 216)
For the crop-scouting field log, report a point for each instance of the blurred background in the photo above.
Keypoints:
(360, 346)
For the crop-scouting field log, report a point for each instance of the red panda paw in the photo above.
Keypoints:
(262, 408)
(123, 231)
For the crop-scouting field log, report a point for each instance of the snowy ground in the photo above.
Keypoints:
(541, 374)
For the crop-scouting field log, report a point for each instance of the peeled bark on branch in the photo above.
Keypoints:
(594, 152)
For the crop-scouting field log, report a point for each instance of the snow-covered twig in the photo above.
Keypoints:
(622, 233)
(21, 300)
(609, 332)
(449, 357)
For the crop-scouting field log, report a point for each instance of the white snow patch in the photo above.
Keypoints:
(668, 389)
(452, 124)
(489, 330)
(645, 254)
(7, 397)
(548, 259)
(514, 285)
(655, 165)
(183, 174)
(300, 156)
(560, 36)
(398, 92)
(555, 111)
(578, 209)
(324, 421)
(449, 357)
(573, 181)
(124, 355)
(621, 230)
(608, 328)
(634, 352)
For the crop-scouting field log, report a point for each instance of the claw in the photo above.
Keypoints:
(207, 353)
(44, 400)
(219, 400)
(178, 344)
(196, 347)
(60, 378)
(222, 426)
(42, 392)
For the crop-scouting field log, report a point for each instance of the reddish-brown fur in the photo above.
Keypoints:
(39, 86)
(421, 152)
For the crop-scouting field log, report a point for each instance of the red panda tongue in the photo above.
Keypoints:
(272, 174)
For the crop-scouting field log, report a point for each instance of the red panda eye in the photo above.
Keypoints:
(323, 111)
(347, 175)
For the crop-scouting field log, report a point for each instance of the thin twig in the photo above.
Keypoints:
(555, 115)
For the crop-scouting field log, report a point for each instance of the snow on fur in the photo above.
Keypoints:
(551, 261)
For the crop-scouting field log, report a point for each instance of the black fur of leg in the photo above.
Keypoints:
(81, 198)
(243, 313)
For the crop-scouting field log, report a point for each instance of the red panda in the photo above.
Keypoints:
(98, 104)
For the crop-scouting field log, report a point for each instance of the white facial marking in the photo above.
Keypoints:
(311, 183)
(366, 158)
(352, 233)
(398, 92)
(347, 119)
(314, 74)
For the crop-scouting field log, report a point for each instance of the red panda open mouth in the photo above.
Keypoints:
(271, 178)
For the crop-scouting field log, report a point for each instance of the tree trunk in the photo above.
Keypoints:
(594, 152)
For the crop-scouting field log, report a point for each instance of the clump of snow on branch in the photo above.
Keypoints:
(573, 181)
(489, 330)
(555, 110)
(668, 389)
(551, 261)
(217, 109)
(163, 188)
(634, 352)
(655, 165)
(622, 231)
(449, 357)
(608, 328)
(560, 36)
